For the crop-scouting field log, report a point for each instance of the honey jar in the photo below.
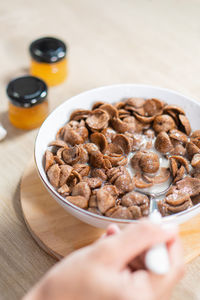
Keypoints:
(28, 105)
(48, 60)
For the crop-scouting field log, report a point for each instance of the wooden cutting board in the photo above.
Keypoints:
(59, 233)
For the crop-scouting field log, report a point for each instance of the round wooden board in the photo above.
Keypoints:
(59, 233)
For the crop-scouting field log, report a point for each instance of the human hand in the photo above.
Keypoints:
(113, 268)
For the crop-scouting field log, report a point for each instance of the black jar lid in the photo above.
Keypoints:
(48, 50)
(27, 91)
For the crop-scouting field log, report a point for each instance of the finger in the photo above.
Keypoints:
(123, 247)
(163, 285)
(133, 286)
(140, 286)
(112, 229)
(175, 250)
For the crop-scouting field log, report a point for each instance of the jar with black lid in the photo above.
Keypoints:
(28, 105)
(48, 60)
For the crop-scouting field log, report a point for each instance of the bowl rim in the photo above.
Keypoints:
(65, 202)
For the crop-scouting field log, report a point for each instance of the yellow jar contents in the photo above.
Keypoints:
(52, 74)
(48, 60)
(28, 105)
(28, 118)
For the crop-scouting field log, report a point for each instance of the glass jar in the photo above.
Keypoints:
(48, 60)
(28, 105)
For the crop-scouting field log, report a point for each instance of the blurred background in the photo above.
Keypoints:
(132, 41)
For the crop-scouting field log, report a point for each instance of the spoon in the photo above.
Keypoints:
(156, 259)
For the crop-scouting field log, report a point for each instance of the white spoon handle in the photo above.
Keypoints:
(157, 259)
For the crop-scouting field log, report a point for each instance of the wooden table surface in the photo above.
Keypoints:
(115, 41)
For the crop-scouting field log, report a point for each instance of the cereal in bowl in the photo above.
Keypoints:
(101, 157)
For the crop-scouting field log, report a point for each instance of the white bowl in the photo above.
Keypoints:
(109, 94)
